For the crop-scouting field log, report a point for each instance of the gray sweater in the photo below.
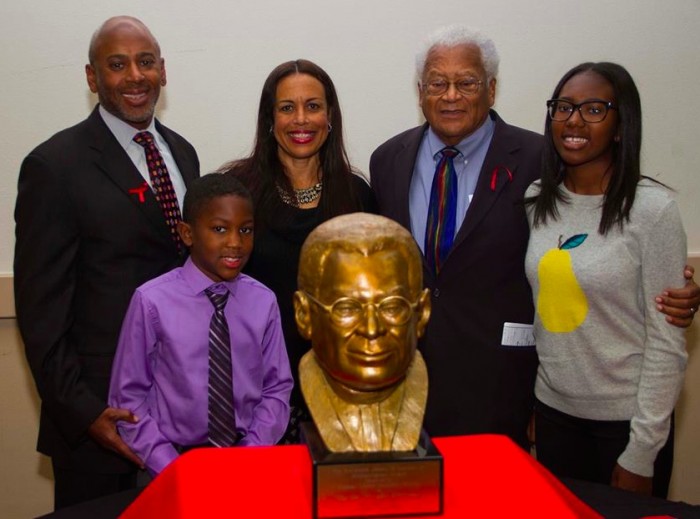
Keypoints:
(605, 352)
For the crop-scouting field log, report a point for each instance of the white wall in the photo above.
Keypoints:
(218, 53)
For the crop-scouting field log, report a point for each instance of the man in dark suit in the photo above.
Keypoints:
(478, 344)
(89, 231)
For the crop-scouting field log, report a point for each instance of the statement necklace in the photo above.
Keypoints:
(301, 196)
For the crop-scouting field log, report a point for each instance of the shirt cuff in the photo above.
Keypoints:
(161, 457)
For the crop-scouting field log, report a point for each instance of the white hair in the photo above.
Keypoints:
(455, 36)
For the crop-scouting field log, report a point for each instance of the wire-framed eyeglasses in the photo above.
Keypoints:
(348, 312)
(593, 111)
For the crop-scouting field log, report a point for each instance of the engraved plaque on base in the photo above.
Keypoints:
(374, 484)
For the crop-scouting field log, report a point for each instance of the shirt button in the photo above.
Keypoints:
(436, 292)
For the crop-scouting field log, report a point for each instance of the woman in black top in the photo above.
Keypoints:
(300, 176)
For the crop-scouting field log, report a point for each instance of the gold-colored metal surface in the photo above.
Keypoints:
(361, 303)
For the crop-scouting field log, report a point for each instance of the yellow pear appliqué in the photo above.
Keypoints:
(561, 304)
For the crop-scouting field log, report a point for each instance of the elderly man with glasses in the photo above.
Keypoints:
(457, 182)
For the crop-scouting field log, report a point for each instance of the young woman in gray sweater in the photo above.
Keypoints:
(604, 240)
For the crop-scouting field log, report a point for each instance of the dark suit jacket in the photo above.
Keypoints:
(84, 243)
(476, 385)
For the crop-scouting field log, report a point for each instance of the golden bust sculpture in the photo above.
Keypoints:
(361, 303)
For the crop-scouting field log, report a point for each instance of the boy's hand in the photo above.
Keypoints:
(104, 431)
(680, 304)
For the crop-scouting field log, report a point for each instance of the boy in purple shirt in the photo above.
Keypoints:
(161, 368)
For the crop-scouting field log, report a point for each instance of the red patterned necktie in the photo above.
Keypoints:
(161, 184)
(442, 212)
(221, 417)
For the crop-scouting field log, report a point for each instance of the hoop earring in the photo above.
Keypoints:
(330, 127)
(272, 127)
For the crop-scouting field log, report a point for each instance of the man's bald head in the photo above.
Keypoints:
(117, 22)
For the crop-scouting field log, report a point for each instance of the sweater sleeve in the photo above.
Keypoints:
(663, 253)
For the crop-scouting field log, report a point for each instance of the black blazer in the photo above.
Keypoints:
(84, 242)
(476, 385)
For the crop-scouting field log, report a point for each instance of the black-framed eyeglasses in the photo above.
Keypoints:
(466, 86)
(593, 111)
(348, 312)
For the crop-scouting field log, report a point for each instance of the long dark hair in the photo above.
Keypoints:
(625, 172)
(262, 170)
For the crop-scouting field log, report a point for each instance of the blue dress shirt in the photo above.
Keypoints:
(468, 164)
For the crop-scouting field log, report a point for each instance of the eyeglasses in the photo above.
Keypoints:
(347, 312)
(591, 111)
(437, 87)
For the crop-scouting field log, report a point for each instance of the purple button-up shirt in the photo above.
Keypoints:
(160, 370)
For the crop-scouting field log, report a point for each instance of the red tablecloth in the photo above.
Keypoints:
(484, 476)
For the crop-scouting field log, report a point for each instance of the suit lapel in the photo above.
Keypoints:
(188, 170)
(113, 161)
(499, 166)
(405, 162)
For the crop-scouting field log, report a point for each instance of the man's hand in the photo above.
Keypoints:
(680, 304)
(626, 480)
(104, 431)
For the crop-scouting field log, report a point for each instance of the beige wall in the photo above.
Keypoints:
(26, 487)
(25, 477)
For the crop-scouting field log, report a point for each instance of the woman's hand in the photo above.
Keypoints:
(626, 480)
(531, 430)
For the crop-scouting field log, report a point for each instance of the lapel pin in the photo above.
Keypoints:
(140, 191)
(494, 175)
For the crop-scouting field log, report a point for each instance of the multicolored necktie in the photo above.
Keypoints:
(442, 212)
(161, 184)
(222, 421)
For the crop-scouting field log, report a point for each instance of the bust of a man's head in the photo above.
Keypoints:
(362, 304)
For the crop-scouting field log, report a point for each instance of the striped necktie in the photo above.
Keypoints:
(442, 211)
(222, 421)
(161, 184)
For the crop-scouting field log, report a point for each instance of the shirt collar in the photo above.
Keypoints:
(123, 132)
(199, 282)
(469, 144)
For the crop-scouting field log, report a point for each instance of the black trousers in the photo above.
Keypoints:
(72, 487)
(588, 449)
